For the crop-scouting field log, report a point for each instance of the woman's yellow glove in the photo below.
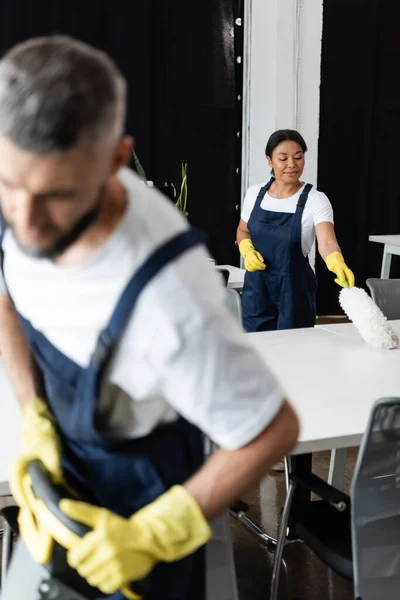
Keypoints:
(39, 441)
(118, 551)
(335, 263)
(253, 261)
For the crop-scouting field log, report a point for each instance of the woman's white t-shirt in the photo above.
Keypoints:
(317, 210)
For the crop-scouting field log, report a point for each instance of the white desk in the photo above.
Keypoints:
(236, 276)
(332, 378)
(391, 245)
(347, 330)
(330, 375)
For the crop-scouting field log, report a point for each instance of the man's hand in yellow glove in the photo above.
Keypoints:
(253, 261)
(118, 551)
(40, 441)
(335, 263)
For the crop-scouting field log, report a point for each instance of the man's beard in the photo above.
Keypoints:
(68, 238)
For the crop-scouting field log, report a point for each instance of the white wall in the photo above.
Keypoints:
(279, 90)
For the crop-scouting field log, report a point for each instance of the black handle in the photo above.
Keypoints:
(52, 494)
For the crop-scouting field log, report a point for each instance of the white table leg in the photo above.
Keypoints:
(337, 468)
(386, 262)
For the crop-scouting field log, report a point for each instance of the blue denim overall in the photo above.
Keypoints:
(282, 296)
(123, 476)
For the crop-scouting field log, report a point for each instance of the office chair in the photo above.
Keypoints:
(386, 295)
(375, 495)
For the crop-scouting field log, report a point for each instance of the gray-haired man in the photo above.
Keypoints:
(126, 323)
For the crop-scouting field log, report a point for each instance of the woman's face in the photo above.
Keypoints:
(287, 161)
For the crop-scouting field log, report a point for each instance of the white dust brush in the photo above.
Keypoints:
(368, 319)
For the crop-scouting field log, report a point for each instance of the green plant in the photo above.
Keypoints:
(181, 199)
(181, 202)
(139, 169)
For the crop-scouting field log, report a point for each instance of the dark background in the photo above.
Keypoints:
(359, 150)
(179, 59)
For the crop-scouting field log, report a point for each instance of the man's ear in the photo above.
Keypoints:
(122, 154)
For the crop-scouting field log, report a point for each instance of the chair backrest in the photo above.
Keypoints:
(386, 294)
(225, 275)
(375, 499)
(234, 303)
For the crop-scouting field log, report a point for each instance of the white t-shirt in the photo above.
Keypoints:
(317, 210)
(181, 352)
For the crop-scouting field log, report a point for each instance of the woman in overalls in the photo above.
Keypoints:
(277, 230)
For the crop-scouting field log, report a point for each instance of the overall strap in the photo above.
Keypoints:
(263, 191)
(304, 195)
(161, 257)
(297, 223)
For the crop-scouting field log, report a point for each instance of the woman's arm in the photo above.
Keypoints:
(242, 232)
(326, 237)
(331, 253)
(253, 260)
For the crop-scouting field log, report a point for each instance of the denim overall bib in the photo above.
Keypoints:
(123, 475)
(282, 296)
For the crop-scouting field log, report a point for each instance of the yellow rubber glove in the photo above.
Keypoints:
(39, 441)
(119, 551)
(253, 261)
(335, 263)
